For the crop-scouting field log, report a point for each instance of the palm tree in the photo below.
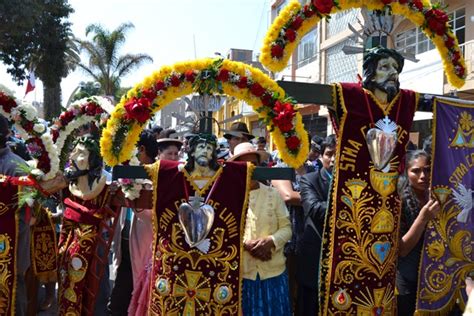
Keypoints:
(105, 65)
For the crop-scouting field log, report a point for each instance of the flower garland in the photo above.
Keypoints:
(205, 76)
(36, 135)
(294, 21)
(87, 110)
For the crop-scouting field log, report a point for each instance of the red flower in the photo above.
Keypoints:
(292, 142)
(307, 11)
(90, 108)
(277, 51)
(460, 71)
(28, 126)
(150, 94)
(98, 110)
(323, 6)
(437, 20)
(138, 109)
(456, 56)
(242, 83)
(66, 117)
(190, 76)
(403, 1)
(223, 75)
(266, 99)
(386, 1)
(55, 134)
(175, 81)
(290, 34)
(284, 114)
(7, 102)
(160, 85)
(418, 4)
(296, 22)
(449, 42)
(257, 90)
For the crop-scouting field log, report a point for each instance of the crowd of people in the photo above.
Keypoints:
(283, 228)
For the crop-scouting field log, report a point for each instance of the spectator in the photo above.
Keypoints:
(314, 197)
(237, 134)
(418, 208)
(267, 229)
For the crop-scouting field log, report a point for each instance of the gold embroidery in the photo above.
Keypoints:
(464, 137)
(192, 292)
(378, 304)
(3, 208)
(6, 277)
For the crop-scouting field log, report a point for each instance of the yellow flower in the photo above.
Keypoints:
(436, 249)
(294, 8)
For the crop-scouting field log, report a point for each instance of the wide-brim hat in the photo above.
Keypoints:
(238, 129)
(246, 148)
(169, 141)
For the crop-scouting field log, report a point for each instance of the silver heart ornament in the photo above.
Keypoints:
(381, 146)
(196, 222)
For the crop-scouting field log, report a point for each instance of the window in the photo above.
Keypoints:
(339, 66)
(307, 49)
(457, 20)
(415, 41)
(339, 22)
(281, 6)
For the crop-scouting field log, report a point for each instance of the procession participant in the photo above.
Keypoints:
(238, 133)
(141, 235)
(132, 239)
(267, 229)
(80, 227)
(417, 210)
(198, 224)
(13, 295)
(361, 229)
(314, 199)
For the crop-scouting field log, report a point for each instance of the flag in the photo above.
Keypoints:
(31, 83)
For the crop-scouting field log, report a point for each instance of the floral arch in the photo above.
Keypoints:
(205, 76)
(295, 20)
(94, 109)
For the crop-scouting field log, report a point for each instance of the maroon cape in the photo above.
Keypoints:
(186, 281)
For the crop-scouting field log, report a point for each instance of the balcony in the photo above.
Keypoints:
(467, 91)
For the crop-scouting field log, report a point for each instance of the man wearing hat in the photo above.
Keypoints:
(237, 134)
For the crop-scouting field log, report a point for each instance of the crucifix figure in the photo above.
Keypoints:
(198, 211)
(360, 242)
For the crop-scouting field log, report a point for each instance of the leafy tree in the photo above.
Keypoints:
(105, 65)
(36, 34)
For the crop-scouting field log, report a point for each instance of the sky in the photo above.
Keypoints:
(169, 31)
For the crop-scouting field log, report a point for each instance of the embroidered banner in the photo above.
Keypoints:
(448, 257)
(193, 280)
(361, 232)
(8, 240)
(44, 248)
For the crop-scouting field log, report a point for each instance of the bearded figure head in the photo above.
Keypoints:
(382, 67)
(203, 152)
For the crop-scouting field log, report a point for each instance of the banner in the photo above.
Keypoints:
(8, 242)
(44, 248)
(447, 257)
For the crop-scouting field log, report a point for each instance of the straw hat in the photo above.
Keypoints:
(246, 148)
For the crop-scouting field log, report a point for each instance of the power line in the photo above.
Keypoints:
(259, 24)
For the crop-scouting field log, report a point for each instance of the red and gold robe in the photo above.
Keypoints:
(186, 281)
(360, 244)
(77, 246)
